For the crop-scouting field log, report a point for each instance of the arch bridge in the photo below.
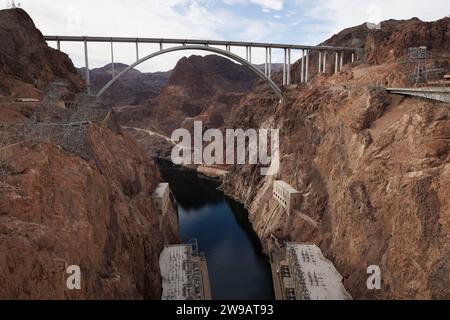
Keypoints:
(211, 46)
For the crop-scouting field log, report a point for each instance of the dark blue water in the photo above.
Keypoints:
(237, 268)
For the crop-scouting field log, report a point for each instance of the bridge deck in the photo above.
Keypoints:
(195, 42)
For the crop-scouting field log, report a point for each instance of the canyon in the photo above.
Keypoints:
(373, 169)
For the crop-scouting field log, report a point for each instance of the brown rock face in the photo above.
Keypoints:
(373, 170)
(58, 209)
(392, 41)
(83, 201)
(26, 61)
(133, 88)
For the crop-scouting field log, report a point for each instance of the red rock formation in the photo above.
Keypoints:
(391, 42)
(97, 214)
(373, 170)
(84, 202)
(27, 63)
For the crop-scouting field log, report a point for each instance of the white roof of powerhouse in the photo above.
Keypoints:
(174, 277)
(322, 280)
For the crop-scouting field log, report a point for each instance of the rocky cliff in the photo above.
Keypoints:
(27, 63)
(71, 195)
(372, 168)
(58, 209)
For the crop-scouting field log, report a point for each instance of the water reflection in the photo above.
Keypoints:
(237, 268)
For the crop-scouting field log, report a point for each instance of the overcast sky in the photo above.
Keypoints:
(295, 21)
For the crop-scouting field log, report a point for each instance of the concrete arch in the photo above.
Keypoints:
(230, 55)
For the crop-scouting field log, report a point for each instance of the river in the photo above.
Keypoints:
(237, 268)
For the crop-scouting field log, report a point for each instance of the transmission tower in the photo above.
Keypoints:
(418, 56)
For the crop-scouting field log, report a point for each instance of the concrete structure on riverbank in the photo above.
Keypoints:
(301, 272)
(161, 198)
(211, 172)
(287, 196)
(184, 274)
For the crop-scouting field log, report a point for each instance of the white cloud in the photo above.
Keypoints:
(341, 14)
(266, 5)
(135, 18)
(190, 19)
(295, 21)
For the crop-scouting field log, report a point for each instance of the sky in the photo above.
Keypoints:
(306, 22)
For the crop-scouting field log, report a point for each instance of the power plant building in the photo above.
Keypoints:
(161, 198)
(287, 196)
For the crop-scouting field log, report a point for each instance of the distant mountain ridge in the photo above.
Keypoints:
(133, 88)
(199, 88)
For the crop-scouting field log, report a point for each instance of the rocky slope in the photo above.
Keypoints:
(133, 88)
(373, 169)
(390, 43)
(59, 209)
(77, 195)
(27, 63)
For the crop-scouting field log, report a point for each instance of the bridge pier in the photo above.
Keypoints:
(266, 69)
(342, 61)
(353, 57)
(161, 47)
(284, 68)
(324, 62)
(307, 66)
(86, 63)
(137, 50)
(289, 67)
(58, 45)
(112, 60)
(270, 63)
(320, 62)
(249, 54)
(302, 76)
(336, 63)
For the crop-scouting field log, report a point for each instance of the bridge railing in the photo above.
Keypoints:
(196, 42)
